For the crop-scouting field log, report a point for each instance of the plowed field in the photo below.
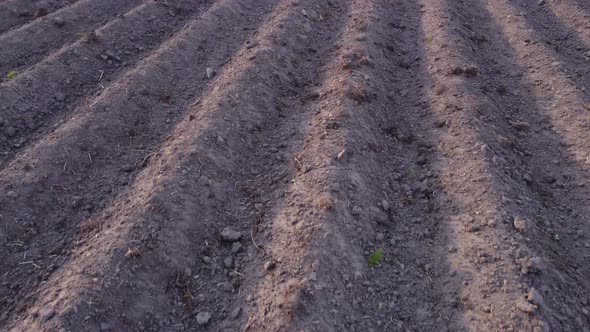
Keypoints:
(294, 165)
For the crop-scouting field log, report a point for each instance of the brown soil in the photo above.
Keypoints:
(294, 165)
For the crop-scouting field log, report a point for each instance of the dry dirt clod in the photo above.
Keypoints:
(46, 314)
(236, 313)
(228, 262)
(534, 297)
(203, 318)
(10, 131)
(105, 327)
(236, 247)
(269, 265)
(209, 72)
(59, 21)
(524, 306)
(230, 235)
(357, 210)
(41, 12)
(520, 224)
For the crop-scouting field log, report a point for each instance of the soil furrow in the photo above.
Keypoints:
(294, 165)
(348, 200)
(80, 71)
(564, 31)
(70, 175)
(196, 188)
(509, 258)
(556, 174)
(14, 13)
(31, 43)
(483, 245)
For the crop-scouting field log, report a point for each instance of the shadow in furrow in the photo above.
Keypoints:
(15, 13)
(31, 43)
(524, 158)
(194, 183)
(63, 183)
(564, 44)
(348, 197)
(37, 102)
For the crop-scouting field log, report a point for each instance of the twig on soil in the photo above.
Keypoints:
(101, 75)
(90, 303)
(31, 263)
(200, 167)
(299, 162)
(238, 273)
(144, 159)
(252, 237)
(196, 102)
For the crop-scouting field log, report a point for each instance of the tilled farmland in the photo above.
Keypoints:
(294, 165)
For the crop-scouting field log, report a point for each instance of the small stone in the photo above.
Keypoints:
(534, 297)
(520, 224)
(209, 72)
(385, 205)
(207, 260)
(105, 327)
(380, 237)
(357, 210)
(525, 306)
(230, 235)
(11, 194)
(203, 318)
(59, 21)
(188, 272)
(46, 314)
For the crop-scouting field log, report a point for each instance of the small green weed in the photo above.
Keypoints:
(375, 257)
(11, 74)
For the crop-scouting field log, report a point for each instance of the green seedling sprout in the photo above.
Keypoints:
(375, 257)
